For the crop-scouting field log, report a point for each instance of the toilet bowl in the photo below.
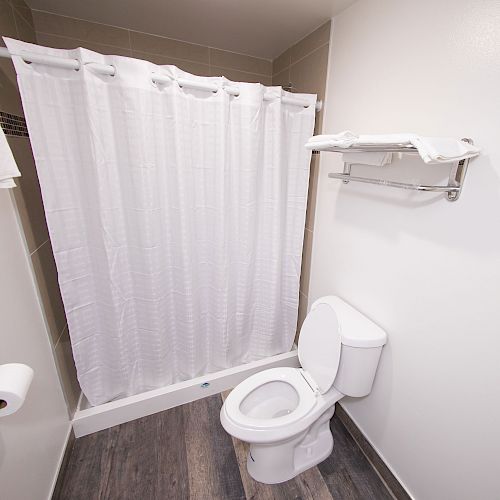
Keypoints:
(284, 413)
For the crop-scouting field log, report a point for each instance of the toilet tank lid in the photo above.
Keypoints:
(356, 330)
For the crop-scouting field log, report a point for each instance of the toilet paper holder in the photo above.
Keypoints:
(15, 381)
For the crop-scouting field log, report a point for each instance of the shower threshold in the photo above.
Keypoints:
(89, 419)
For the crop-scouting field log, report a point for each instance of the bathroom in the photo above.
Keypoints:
(304, 298)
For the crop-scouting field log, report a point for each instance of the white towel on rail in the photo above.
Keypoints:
(8, 166)
(443, 149)
(342, 140)
(369, 158)
(431, 149)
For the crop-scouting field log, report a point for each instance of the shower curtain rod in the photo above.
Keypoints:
(108, 69)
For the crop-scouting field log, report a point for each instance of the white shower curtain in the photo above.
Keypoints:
(176, 217)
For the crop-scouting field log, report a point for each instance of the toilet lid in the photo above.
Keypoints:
(320, 345)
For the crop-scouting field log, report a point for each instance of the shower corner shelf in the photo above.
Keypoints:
(452, 190)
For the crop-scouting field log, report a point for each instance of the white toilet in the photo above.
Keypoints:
(284, 413)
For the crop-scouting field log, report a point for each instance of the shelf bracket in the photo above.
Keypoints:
(457, 176)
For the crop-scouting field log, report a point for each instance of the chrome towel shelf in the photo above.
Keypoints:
(452, 190)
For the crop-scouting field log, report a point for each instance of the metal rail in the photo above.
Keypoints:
(452, 189)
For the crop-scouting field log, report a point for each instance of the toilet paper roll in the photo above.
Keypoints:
(15, 380)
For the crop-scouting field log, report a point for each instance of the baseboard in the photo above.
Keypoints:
(391, 481)
(96, 418)
(63, 464)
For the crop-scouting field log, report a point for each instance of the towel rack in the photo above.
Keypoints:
(452, 190)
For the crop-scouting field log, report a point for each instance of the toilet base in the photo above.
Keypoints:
(278, 462)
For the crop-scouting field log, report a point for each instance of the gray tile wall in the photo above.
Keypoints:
(304, 65)
(65, 32)
(16, 22)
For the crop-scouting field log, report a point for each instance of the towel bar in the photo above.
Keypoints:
(381, 182)
(452, 190)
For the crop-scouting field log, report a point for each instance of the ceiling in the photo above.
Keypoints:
(262, 28)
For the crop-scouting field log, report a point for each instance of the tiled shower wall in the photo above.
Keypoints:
(304, 66)
(67, 33)
(16, 22)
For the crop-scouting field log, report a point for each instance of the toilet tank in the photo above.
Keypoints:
(357, 369)
(362, 341)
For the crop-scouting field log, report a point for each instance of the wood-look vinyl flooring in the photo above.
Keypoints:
(184, 453)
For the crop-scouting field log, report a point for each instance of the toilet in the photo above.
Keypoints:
(284, 413)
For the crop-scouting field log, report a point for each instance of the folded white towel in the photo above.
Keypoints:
(443, 149)
(342, 140)
(431, 149)
(8, 167)
(377, 159)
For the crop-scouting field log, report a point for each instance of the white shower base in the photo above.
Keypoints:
(89, 419)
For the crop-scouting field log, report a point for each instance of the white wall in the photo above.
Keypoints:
(33, 439)
(426, 270)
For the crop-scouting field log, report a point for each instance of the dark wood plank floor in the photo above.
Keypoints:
(184, 453)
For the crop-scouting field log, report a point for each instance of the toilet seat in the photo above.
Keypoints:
(287, 375)
(319, 354)
(248, 428)
(320, 345)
